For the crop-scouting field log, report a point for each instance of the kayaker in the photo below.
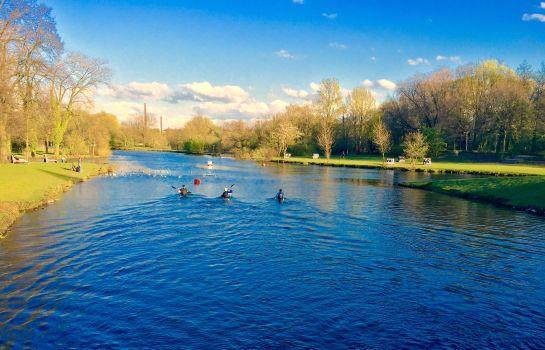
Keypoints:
(227, 193)
(183, 191)
(280, 195)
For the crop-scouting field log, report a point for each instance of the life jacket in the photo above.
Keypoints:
(280, 196)
(183, 191)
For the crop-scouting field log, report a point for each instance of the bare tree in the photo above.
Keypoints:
(360, 106)
(72, 81)
(330, 106)
(283, 135)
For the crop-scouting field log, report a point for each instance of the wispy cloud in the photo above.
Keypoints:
(453, 59)
(373, 58)
(337, 45)
(417, 61)
(298, 2)
(533, 17)
(329, 15)
(542, 5)
(284, 54)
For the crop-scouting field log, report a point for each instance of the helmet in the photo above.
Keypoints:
(225, 189)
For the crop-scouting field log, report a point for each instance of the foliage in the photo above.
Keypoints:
(434, 139)
(194, 146)
(415, 146)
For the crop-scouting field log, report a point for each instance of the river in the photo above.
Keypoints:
(349, 260)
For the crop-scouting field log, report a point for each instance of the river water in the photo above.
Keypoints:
(349, 260)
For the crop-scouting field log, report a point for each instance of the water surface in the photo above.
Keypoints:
(348, 261)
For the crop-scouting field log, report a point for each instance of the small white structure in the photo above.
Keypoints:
(401, 159)
(390, 161)
(287, 155)
(427, 161)
(18, 160)
(315, 156)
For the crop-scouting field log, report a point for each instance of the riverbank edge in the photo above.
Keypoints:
(438, 187)
(14, 210)
(398, 167)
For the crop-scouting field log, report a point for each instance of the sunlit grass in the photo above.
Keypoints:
(523, 192)
(25, 186)
(447, 167)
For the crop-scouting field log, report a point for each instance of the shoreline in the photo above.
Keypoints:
(490, 169)
(62, 180)
(523, 193)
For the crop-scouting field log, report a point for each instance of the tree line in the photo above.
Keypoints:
(483, 108)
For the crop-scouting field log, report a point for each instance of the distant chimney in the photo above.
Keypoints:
(145, 116)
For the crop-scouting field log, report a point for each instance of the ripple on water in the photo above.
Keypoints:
(348, 261)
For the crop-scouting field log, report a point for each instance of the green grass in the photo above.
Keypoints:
(26, 186)
(521, 192)
(436, 167)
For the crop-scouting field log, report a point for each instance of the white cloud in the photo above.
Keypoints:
(453, 59)
(367, 83)
(533, 17)
(373, 58)
(298, 2)
(387, 84)
(337, 45)
(206, 91)
(314, 87)
(295, 93)
(417, 61)
(284, 54)
(542, 5)
(137, 91)
(329, 15)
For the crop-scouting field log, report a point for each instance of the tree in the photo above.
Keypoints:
(382, 138)
(283, 135)
(415, 146)
(72, 79)
(360, 106)
(330, 107)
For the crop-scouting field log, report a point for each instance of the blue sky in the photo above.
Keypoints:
(246, 59)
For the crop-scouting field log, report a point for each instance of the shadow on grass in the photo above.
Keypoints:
(65, 177)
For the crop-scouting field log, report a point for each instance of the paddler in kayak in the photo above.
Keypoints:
(227, 193)
(280, 195)
(183, 191)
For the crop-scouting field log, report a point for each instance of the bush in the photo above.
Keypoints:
(194, 146)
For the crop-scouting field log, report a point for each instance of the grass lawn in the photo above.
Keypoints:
(437, 166)
(26, 186)
(521, 192)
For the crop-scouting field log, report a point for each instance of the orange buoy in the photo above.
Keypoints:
(197, 182)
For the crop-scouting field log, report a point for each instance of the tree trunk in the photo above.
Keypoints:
(5, 143)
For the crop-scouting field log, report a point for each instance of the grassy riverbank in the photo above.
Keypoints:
(436, 167)
(28, 186)
(519, 192)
